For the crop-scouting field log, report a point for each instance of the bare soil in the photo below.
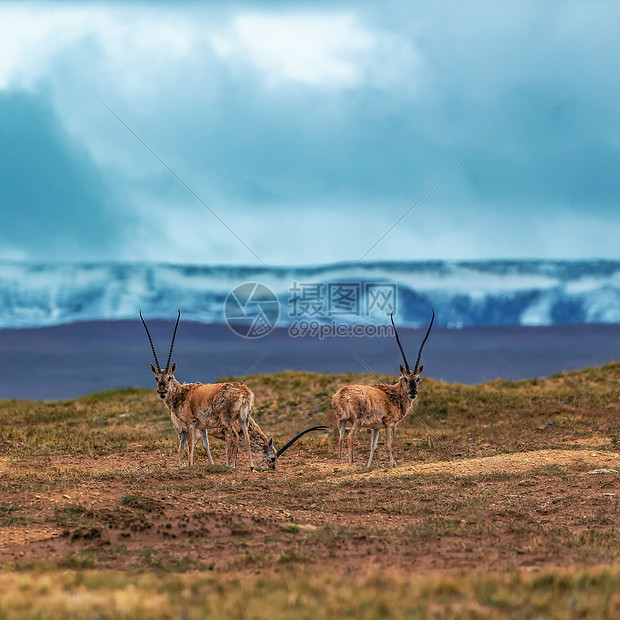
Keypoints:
(138, 509)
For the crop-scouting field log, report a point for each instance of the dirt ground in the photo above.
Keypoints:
(508, 477)
(139, 509)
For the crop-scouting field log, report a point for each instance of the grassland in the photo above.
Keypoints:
(494, 510)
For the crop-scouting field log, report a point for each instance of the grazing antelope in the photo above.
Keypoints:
(378, 406)
(262, 445)
(219, 407)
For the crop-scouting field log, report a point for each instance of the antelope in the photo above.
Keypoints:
(219, 407)
(378, 406)
(223, 409)
(261, 444)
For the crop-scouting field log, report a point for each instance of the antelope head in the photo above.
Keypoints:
(411, 378)
(270, 454)
(163, 377)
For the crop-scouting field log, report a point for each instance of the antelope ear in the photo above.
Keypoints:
(154, 369)
(421, 368)
(402, 370)
(174, 367)
(270, 442)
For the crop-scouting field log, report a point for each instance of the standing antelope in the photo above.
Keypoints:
(220, 407)
(378, 406)
(223, 409)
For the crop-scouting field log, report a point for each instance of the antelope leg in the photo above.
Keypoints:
(352, 433)
(244, 426)
(374, 438)
(390, 443)
(192, 443)
(204, 435)
(341, 431)
(182, 442)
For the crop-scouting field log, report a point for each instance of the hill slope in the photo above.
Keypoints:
(508, 477)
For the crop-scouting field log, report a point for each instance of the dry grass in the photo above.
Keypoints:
(492, 505)
(301, 594)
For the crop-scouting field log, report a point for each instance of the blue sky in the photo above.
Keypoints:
(309, 129)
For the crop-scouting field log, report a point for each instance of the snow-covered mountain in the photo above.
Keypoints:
(466, 293)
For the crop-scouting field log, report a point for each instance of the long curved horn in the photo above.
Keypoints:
(398, 341)
(151, 341)
(172, 343)
(428, 331)
(292, 441)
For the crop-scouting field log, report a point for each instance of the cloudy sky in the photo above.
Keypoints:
(307, 130)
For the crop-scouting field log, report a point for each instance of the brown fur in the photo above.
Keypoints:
(375, 407)
(221, 408)
(378, 406)
(262, 446)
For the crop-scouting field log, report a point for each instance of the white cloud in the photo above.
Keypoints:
(326, 50)
(26, 37)
(315, 50)
(128, 40)
(133, 47)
